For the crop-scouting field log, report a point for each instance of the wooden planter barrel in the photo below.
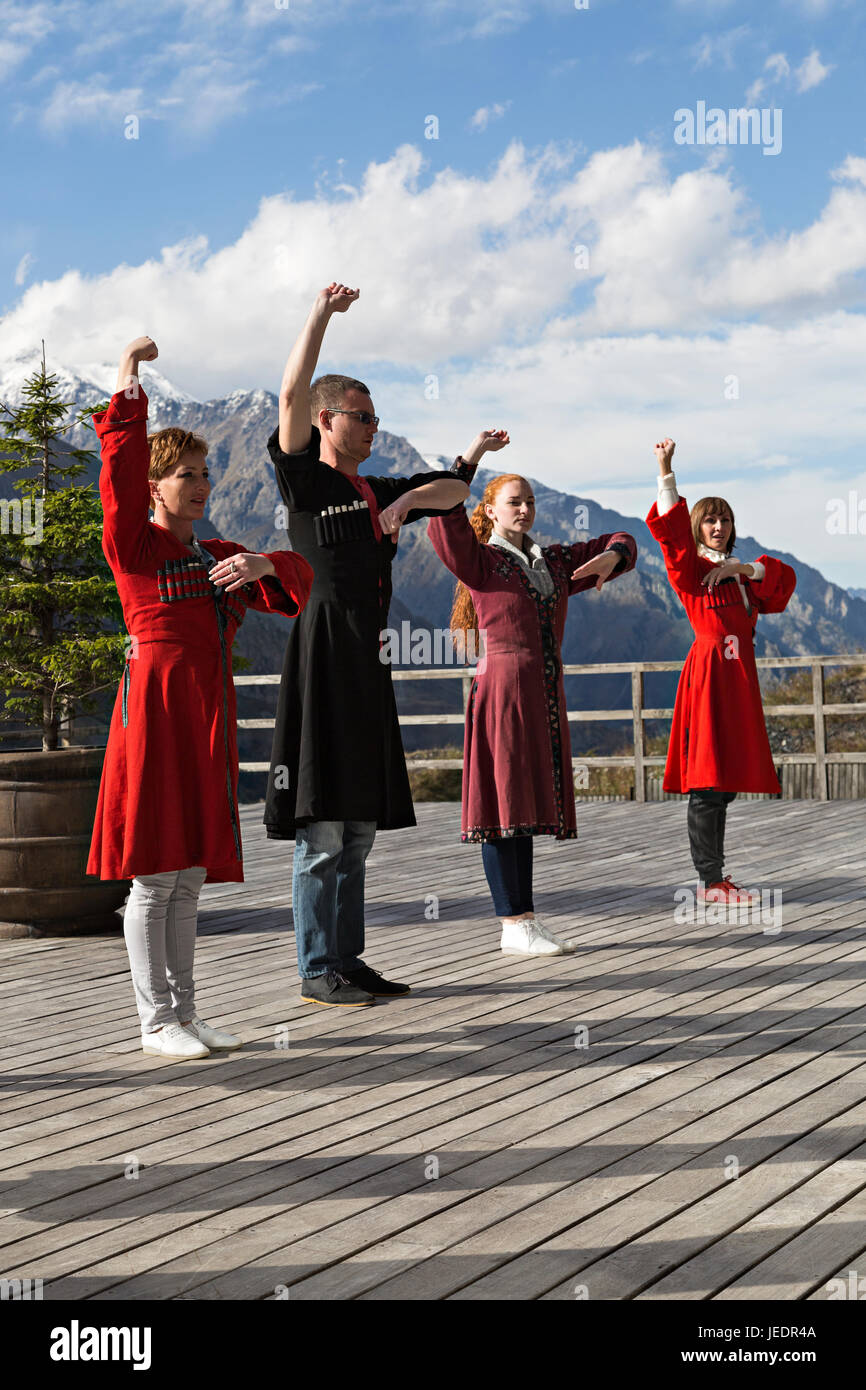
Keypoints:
(47, 807)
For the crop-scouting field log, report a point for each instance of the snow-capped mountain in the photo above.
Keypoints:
(88, 385)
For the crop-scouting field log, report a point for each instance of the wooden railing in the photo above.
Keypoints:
(638, 714)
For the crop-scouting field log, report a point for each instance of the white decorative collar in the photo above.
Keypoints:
(530, 552)
(718, 557)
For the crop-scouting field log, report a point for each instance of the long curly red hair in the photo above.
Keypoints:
(464, 619)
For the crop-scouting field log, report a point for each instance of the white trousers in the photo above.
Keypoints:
(159, 927)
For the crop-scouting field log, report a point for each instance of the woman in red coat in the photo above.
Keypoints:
(517, 778)
(167, 811)
(719, 743)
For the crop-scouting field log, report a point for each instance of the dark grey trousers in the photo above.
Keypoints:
(706, 819)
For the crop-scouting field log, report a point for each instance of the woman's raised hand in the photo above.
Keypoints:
(139, 350)
(491, 440)
(142, 349)
(488, 441)
(664, 453)
(336, 298)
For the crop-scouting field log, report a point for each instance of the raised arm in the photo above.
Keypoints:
(668, 521)
(123, 486)
(295, 424)
(139, 350)
(667, 483)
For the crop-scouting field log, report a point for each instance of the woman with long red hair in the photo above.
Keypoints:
(517, 777)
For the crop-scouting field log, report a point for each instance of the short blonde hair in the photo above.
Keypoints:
(167, 448)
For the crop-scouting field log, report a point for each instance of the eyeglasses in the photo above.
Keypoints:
(363, 416)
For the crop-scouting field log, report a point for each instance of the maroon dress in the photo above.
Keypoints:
(517, 777)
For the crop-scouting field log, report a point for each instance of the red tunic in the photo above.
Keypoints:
(718, 734)
(168, 797)
(517, 777)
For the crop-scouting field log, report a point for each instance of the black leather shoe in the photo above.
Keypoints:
(374, 983)
(335, 991)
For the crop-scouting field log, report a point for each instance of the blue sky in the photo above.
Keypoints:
(280, 147)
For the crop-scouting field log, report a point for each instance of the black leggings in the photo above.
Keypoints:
(508, 866)
(706, 820)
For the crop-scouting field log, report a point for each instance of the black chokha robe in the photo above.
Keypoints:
(337, 752)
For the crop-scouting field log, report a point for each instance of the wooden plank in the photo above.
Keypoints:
(484, 1076)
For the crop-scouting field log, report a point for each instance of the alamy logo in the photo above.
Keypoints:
(423, 647)
(20, 1289)
(762, 908)
(77, 1343)
(744, 125)
(19, 518)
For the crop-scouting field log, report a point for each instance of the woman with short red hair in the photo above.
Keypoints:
(167, 814)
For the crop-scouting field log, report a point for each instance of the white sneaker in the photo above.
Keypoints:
(213, 1038)
(565, 946)
(173, 1041)
(527, 938)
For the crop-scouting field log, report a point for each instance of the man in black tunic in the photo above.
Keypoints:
(338, 772)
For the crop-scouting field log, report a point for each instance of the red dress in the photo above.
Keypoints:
(718, 734)
(517, 777)
(168, 797)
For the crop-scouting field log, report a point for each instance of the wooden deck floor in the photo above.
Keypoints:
(707, 1142)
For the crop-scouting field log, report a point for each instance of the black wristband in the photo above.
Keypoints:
(463, 470)
(622, 550)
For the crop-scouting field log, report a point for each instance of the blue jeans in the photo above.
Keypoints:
(508, 866)
(328, 894)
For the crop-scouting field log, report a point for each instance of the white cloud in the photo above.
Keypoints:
(489, 259)
(75, 103)
(584, 413)
(22, 270)
(27, 22)
(485, 114)
(778, 66)
(811, 72)
(11, 55)
(719, 48)
(584, 366)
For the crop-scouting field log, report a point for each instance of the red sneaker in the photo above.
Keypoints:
(726, 892)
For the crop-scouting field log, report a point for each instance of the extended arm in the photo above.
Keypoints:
(444, 493)
(295, 423)
(601, 559)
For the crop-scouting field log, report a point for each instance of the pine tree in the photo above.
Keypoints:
(60, 637)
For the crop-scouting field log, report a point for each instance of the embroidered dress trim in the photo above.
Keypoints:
(481, 834)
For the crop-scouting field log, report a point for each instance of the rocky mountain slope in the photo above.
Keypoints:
(636, 618)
